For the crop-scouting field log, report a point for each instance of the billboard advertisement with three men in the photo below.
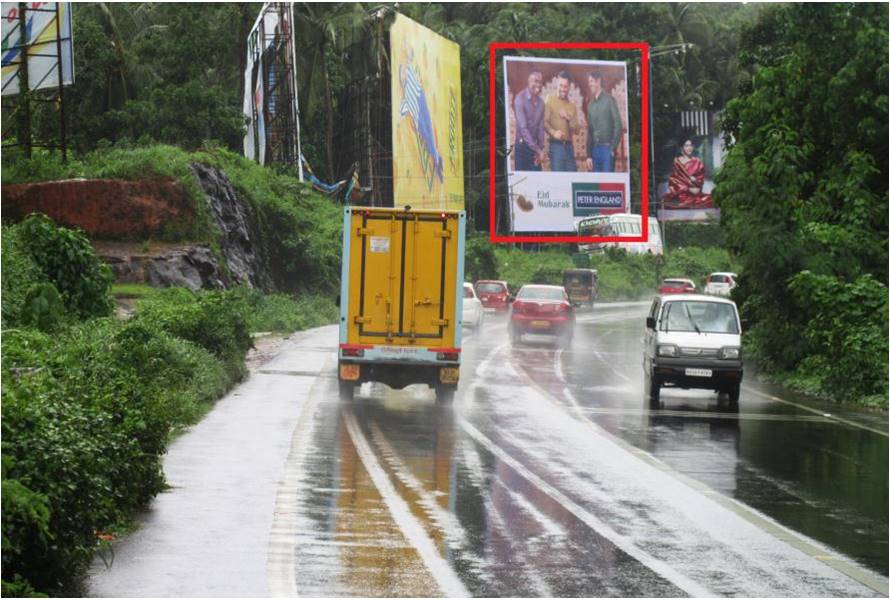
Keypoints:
(567, 141)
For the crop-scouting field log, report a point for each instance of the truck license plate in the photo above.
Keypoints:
(699, 372)
(449, 374)
(541, 324)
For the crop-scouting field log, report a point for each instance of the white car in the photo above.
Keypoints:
(473, 312)
(720, 284)
(693, 341)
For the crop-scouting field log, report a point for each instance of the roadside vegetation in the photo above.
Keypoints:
(89, 402)
(622, 276)
(804, 197)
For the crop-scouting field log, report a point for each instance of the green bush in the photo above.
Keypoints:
(69, 262)
(480, 260)
(214, 320)
(20, 274)
(43, 307)
(283, 313)
(86, 418)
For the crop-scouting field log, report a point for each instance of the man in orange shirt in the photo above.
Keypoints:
(560, 123)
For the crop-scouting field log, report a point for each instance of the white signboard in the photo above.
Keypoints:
(567, 141)
(40, 41)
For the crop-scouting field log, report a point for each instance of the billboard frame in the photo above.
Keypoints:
(643, 47)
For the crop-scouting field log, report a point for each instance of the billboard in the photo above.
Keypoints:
(567, 141)
(46, 24)
(427, 131)
(685, 165)
(271, 106)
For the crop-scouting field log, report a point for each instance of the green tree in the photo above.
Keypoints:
(804, 189)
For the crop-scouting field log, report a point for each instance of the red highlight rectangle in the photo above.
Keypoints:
(643, 47)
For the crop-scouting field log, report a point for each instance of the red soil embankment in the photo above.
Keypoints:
(105, 208)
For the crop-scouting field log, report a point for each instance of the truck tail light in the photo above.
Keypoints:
(451, 354)
(356, 350)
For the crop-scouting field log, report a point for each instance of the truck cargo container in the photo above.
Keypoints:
(401, 298)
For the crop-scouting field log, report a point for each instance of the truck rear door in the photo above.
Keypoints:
(404, 271)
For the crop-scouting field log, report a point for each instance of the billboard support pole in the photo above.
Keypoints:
(24, 132)
(62, 131)
(653, 193)
(293, 48)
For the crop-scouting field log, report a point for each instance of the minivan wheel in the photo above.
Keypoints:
(654, 389)
(733, 392)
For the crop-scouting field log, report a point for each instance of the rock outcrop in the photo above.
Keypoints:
(237, 242)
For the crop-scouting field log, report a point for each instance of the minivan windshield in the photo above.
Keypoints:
(699, 316)
(541, 293)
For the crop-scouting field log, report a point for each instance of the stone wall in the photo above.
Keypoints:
(104, 208)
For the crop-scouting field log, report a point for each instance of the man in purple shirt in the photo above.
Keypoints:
(529, 109)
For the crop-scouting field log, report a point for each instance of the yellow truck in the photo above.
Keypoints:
(401, 298)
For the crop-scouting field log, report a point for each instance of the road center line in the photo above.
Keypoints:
(448, 581)
(654, 564)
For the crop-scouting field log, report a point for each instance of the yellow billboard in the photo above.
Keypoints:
(427, 133)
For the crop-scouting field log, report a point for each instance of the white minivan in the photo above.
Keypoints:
(693, 341)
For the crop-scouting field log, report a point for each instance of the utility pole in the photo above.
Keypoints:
(24, 132)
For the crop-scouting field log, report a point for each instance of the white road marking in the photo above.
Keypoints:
(281, 567)
(448, 581)
(761, 521)
(751, 390)
(446, 520)
(656, 565)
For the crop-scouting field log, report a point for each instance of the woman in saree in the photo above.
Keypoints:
(686, 180)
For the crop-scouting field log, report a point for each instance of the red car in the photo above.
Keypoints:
(493, 294)
(676, 286)
(542, 309)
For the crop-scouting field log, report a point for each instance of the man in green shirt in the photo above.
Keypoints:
(604, 127)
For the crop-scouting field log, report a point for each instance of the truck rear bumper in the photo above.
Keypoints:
(398, 374)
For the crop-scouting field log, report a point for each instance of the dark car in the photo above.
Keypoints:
(542, 309)
(494, 295)
(676, 286)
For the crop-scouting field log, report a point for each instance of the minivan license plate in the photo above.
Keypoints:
(699, 372)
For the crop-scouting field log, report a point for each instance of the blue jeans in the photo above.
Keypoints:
(602, 158)
(562, 156)
(525, 157)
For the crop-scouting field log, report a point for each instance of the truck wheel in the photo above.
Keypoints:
(346, 389)
(445, 394)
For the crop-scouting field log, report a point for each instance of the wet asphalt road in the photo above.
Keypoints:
(549, 476)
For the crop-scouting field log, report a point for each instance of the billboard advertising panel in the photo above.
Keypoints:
(685, 165)
(567, 141)
(427, 133)
(42, 34)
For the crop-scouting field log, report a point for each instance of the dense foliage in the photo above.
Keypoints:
(622, 276)
(804, 195)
